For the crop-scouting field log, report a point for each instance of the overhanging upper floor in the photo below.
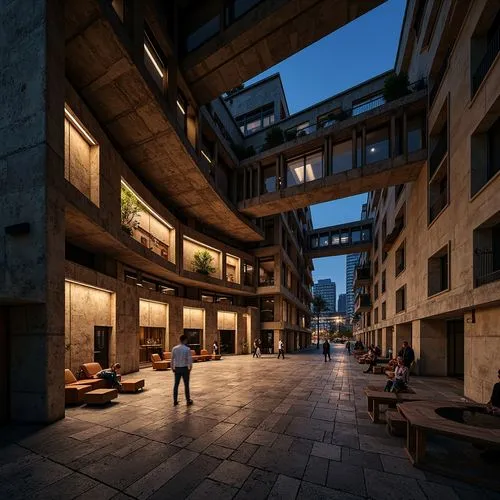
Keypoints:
(227, 43)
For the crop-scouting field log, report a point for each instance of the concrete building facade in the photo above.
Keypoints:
(350, 265)
(434, 264)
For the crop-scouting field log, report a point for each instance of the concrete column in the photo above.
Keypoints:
(354, 148)
(405, 135)
(400, 333)
(378, 338)
(386, 340)
(393, 137)
(32, 207)
(429, 343)
(363, 146)
(259, 174)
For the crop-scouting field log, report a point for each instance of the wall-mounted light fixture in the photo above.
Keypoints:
(73, 119)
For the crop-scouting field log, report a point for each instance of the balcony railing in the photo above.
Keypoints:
(362, 276)
(490, 55)
(484, 267)
(377, 101)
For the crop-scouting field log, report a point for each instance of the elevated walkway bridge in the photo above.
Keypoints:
(341, 157)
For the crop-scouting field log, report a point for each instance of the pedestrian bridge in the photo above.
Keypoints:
(381, 147)
(352, 237)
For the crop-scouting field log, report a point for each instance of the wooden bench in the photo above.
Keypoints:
(396, 423)
(422, 420)
(132, 385)
(376, 396)
(100, 396)
(378, 369)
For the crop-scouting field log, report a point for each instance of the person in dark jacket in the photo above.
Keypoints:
(494, 402)
(407, 353)
(326, 350)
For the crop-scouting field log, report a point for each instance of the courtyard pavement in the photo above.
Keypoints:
(260, 428)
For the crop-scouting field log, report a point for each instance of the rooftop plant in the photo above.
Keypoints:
(203, 262)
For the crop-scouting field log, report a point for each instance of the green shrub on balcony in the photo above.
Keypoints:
(396, 86)
(203, 262)
(274, 138)
(130, 210)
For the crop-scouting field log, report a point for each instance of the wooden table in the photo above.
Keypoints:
(376, 396)
(422, 420)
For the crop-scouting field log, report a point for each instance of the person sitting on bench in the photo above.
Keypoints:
(111, 374)
(399, 381)
(373, 354)
(493, 405)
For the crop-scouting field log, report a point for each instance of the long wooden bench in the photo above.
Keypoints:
(376, 396)
(422, 420)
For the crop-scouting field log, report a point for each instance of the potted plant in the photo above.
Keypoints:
(242, 152)
(130, 210)
(396, 86)
(274, 137)
(203, 262)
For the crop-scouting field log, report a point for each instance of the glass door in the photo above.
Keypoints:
(101, 345)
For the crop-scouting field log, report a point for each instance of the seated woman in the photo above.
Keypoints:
(493, 405)
(399, 381)
(111, 374)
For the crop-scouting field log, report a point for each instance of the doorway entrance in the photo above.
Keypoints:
(4, 366)
(194, 338)
(267, 341)
(102, 334)
(227, 341)
(455, 334)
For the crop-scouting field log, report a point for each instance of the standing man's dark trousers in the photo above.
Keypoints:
(182, 372)
(281, 352)
(327, 354)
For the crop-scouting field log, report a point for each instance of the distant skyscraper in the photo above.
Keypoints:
(342, 303)
(351, 261)
(328, 290)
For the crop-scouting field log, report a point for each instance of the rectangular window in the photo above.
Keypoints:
(266, 309)
(81, 157)
(384, 311)
(248, 274)
(268, 175)
(266, 271)
(375, 267)
(305, 169)
(341, 157)
(182, 107)
(383, 282)
(295, 172)
(438, 192)
(487, 252)
(485, 156)
(375, 315)
(438, 271)
(401, 299)
(154, 60)
(375, 291)
(377, 145)
(256, 119)
(400, 259)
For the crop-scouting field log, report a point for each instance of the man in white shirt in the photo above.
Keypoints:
(182, 362)
(281, 349)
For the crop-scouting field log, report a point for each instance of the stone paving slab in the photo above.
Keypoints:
(303, 433)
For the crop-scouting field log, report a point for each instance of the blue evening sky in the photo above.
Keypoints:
(357, 52)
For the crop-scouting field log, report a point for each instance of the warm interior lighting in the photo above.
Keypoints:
(76, 123)
(199, 243)
(74, 282)
(205, 155)
(148, 208)
(153, 60)
(179, 105)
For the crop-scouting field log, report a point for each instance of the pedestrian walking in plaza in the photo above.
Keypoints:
(216, 347)
(259, 353)
(326, 350)
(182, 362)
(348, 347)
(281, 349)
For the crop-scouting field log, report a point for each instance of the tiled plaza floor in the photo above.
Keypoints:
(259, 428)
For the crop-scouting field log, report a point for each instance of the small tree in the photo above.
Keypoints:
(396, 86)
(203, 262)
(274, 137)
(130, 209)
(319, 306)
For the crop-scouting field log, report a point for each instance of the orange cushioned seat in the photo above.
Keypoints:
(95, 383)
(132, 384)
(158, 364)
(100, 396)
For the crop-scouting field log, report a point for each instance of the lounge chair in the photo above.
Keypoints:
(92, 369)
(196, 357)
(205, 355)
(158, 363)
(70, 379)
(74, 391)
